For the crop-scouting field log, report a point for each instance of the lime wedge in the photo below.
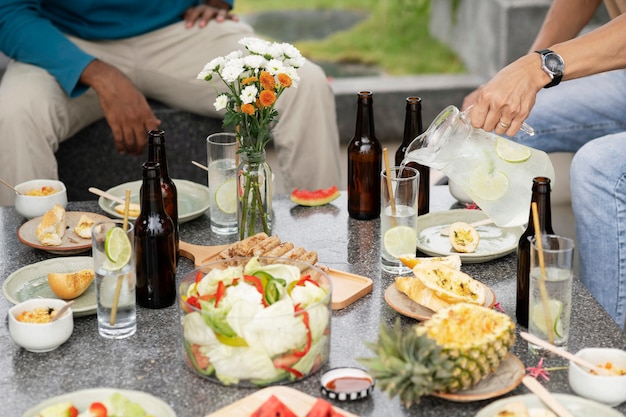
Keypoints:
(400, 240)
(226, 196)
(538, 316)
(117, 249)
(488, 184)
(511, 151)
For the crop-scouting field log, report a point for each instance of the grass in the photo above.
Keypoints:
(394, 37)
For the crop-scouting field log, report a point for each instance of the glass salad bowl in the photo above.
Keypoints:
(256, 321)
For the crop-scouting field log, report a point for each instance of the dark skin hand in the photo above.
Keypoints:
(125, 108)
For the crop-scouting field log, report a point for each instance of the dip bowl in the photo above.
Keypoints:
(606, 389)
(31, 206)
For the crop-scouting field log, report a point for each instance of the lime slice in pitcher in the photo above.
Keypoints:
(226, 196)
(488, 184)
(117, 249)
(538, 316)
(400, 240)
(511, 151)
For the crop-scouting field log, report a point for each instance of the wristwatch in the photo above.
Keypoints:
(553, 65)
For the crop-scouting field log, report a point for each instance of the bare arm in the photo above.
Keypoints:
(204, 13)
(125, 108)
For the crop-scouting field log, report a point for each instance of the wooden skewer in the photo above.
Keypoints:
(446, 230)
(9, 185)
(544, 395)
(199, 165)
(106, 195)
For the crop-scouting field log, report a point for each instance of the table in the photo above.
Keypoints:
(152, 361)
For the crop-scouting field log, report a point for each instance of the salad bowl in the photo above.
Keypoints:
(255, 321)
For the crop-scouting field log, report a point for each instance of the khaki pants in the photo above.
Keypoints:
(36, 114)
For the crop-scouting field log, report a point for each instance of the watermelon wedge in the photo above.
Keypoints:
(323, 408)
(273, 407)
(314, 198)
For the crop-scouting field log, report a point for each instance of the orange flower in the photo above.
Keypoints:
(284, 80)
(249, 80)
(267, 80)
(247, 108)
(267, 98)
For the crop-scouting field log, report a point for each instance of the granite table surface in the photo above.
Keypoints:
(151, 361)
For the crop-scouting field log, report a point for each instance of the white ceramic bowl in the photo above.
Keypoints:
(34, 206)
(609, 390)
(459, 193)
(40, 337)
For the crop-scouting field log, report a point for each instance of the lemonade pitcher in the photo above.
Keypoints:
(495, 172)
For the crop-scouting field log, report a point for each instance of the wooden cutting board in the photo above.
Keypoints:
(297, 401)
(347, 287)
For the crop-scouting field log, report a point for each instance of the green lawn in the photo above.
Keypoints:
(394, 37)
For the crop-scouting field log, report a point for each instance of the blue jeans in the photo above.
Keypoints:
(588, 116)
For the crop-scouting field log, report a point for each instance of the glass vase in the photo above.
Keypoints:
(254, 187)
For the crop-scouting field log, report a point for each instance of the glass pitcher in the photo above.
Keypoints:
(495, 172)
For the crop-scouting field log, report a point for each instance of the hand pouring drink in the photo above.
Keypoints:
(495, 172)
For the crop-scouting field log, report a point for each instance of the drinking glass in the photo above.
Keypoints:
(221, 160)
(115, 284)
(550, 289)
(398, 217)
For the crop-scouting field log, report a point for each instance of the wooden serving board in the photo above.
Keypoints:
(297, 401)
(347, 287)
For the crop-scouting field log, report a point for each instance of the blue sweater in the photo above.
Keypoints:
(32, 31)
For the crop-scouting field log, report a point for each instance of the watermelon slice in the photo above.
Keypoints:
(273, 407)
(314, 198)
(323, 408)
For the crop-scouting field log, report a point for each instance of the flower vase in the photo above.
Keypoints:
(254, 186)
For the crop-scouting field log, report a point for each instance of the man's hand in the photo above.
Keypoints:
(202, 14)
(125, 108)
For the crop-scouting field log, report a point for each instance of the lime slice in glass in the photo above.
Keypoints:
(488, 184)
(511, 151)
(117, 249)
(226, 196)
(538, 316)
(400, 240)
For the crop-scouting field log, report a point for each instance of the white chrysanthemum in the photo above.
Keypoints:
(295, 62)
(220, 102)
(234, 55)
(205, 75)
(275, 51)
(248, 94)
(292, 55)
(275, 66)
(254, 61)
(232, 70)
(214, 64)
(255, 45)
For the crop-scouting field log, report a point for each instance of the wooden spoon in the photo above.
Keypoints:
(446, 230)
(133, 207)
(10, 186)
(62, 310)
(544, 395)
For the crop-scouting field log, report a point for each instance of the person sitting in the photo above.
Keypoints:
(77, 61)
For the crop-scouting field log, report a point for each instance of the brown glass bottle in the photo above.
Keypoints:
(541, 195)
(155, 244)
(156, 153)
(364, 163)
(413, 127)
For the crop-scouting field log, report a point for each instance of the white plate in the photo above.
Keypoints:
(495, 241)
(82, 399)
(193, 199)
(71, 243)
(31, 281)
(579, 407)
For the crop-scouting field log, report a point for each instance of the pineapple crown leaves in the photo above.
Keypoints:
(407, 364)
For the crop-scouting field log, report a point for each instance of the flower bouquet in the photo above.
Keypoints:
(254, 83)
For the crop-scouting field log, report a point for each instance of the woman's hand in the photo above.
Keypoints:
(204, 13)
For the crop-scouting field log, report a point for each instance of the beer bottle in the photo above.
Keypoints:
(413, 128)
(155, 244)
(541, 195)
(156, 153)
(364, 163)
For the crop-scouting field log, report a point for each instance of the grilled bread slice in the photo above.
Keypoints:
(70, 285)
(51, 229)
(463, 237)
(453, 261)
(449, 284)
(83, 227)
(415, 289)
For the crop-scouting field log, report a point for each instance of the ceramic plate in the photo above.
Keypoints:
(32, 282)
(407, 307)
(82, 399)
(495, 241)
(508, 376)
(578, 406)
(193, 199)
(71, 244)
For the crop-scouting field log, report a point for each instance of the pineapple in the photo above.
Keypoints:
(452, 351)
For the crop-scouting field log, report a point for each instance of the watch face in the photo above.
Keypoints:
(554, 63)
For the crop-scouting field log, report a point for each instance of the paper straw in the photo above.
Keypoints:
(542, 279)
(389, 187)
(120, 278)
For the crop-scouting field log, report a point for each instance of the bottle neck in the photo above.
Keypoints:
(156, 150)
(151, 195)
(413, 126)
(365, 116)
(253, 157)
(541, 196)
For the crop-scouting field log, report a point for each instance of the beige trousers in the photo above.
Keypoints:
(36, 114)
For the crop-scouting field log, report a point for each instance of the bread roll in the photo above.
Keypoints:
(51, 229)
(463, 237)
(70, 285)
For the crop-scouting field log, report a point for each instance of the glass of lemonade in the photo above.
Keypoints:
(495, 172)
(221, 160)
(114, 264)
(550, 290)
(398, 217)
